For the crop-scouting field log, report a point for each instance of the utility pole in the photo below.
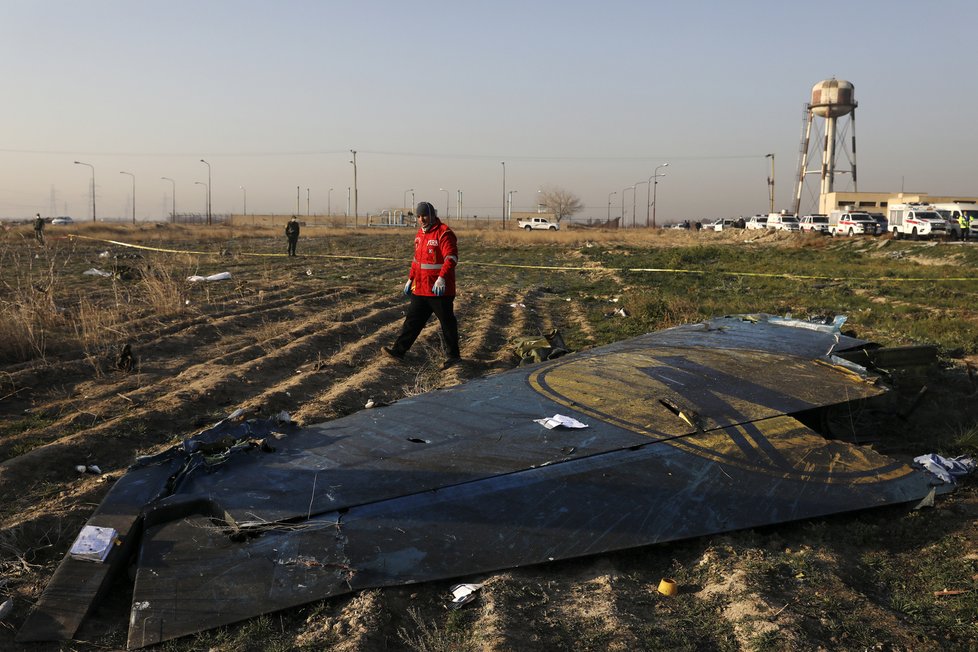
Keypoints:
(770, 182)
(355, 193)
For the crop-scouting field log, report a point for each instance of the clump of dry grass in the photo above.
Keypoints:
(29, 316)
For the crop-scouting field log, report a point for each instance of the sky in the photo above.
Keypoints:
(436, 97)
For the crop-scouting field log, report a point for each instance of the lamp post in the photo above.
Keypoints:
(133, 195)
(770, 181)
(623, 191)
(329, 202)
(93, 185)
(655, 186)
(510, 209)
(298, 190)
(355, 193)
(446, 201)
(458, 204)
(348, 201)
(404, 198)
(207, 193)
(610, 195)
(173, 199)
(208, 190)
(504, 193)
(634, 194)
(244, 201)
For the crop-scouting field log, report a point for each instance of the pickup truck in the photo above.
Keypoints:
(538, 223)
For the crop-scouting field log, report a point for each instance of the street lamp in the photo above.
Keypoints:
(770, 181)
(208, 190)
(446, 201)
(93, 185)
(173, 199)
(207, 194)
(510, 212)
(504, 193)
(655, 186)
(133, 195)
(610, 195)
(329, 202)
(458, 203)
(307, 202)
(637, 184)
(404, 198)
(355, 193)
(624, 190)
(244, 200)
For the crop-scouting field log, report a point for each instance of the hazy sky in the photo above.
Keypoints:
(586, 96)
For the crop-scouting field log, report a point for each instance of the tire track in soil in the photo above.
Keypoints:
(170, 384)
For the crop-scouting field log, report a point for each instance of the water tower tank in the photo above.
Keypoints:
(833, 98)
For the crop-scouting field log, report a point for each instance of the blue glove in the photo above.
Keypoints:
(407, 288)
(439, 287)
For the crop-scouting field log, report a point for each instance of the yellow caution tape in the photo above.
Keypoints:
(652, 270)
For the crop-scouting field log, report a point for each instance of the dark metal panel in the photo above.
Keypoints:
(762, 473)
(687, 436)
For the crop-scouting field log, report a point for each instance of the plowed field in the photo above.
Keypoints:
(304, 335)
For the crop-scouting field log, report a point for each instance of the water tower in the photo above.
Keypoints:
(832, 99)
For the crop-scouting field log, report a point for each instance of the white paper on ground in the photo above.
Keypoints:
(560, 420)
(93, 543)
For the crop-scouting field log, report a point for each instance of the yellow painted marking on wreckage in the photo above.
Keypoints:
(618, 388)
(784, 447)
(555, 268)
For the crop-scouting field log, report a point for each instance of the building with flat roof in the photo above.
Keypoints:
(876, 202)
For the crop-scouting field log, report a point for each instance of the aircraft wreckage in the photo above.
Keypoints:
(691, 431)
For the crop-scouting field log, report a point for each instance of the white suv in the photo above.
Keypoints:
(782, 222)
(814, 223)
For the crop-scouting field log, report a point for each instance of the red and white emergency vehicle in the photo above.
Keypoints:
(915, 220)
(852, 223)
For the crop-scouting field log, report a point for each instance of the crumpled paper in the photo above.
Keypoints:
(558, 420)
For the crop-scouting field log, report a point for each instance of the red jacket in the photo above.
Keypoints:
(435, 254)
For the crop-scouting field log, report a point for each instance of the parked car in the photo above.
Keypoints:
(756, 222)
(782, 221)
(721, 224)
(882, 221)
(62, 221)
(815, 223)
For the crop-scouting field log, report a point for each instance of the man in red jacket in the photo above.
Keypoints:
(431, 285)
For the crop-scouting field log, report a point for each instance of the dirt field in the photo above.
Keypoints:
(303, 335)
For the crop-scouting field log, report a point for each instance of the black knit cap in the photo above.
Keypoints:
(426, 209)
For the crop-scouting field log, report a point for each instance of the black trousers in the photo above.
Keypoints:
(419, 310)
(292, 243)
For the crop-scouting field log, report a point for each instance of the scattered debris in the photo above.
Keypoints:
(93, 543)
(667, 587)
(947, 469)
(96, 272)
(126, 361)
(369, 404)
(533, 349)
(221, 276)
(560, 420)
(462, 594)
(944, 592)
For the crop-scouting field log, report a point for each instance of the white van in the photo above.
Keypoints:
(783, 221)
(952, 211)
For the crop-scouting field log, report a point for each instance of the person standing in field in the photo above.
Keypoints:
(292, 233)
(39, 228)
(431, 286)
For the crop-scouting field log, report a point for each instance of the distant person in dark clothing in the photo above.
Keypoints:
(292, 233)
(39, 228)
